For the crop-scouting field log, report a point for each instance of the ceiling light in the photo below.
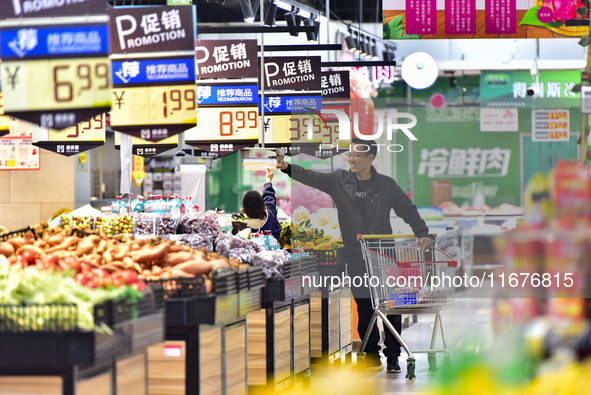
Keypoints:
(270, 12)
(350, 41)
(312, 36)
(374, 50)
(247, 11)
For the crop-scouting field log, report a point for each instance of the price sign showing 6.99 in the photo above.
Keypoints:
(55, 76)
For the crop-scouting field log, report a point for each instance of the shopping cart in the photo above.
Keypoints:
(406, 280)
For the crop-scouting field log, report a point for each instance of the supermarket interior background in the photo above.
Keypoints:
(131, 130)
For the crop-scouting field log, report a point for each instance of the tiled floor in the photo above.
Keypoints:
(466, 320)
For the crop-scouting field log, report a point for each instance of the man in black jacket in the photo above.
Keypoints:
(364, 199)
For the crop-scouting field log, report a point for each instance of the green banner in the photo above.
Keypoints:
(471, 160)
(518, 88)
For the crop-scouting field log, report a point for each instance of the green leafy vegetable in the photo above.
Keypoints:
(394, 30)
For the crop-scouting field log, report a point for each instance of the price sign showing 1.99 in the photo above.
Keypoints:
(177, 100)
(56, 84)
(227, 123)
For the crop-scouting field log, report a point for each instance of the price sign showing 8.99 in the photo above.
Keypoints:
(55, 76)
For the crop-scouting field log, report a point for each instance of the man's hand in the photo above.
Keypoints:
(424, 243)
(283, 165)
(269, 175)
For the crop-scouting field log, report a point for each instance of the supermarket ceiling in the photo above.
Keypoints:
(210, 11)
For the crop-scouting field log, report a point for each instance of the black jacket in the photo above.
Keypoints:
(384, 194)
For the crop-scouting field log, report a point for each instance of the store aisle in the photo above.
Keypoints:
(466, 320)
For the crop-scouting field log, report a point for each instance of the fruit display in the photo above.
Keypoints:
(236, 247)
(318, 231)
(105, 225)
(201, 223)
(35, 285)
(145, 224)
(123, 224)
(168, 225)
(271, 262)
(148, 258)
(197, 241)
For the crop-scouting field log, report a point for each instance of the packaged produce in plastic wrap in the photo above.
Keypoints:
(271, 262)
(144, 225)
(122, 224)
(201, 223)
(197, 240)
(236, 247)
(168, 224)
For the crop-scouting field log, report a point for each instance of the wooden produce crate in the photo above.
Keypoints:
(182, 367)
(234, 372)
(346, 324)
(325, 325)
(269, 334)
(301, 336)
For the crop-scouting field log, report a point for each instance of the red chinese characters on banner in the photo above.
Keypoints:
(421, 16)
(383, 74)
(500, 17)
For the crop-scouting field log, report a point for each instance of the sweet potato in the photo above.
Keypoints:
(150, 254)
(34, 249)
(179, 257)
(16, 242)
(102, 246)
(178, 273)
(87, 245)
(208, 286)
(218, 264)
(121, 252)
(108, 255)
(194, 267)
(178, 248)
(128, 262)
(6, 249)
(55, 240)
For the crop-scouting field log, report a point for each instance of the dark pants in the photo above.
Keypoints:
(364, 312)
(356, 267)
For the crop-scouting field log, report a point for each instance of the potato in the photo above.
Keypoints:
(6, 249)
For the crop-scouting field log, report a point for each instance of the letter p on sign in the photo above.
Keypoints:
(121, 32)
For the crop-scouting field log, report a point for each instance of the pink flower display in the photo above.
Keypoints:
(564, 9)
(308, 197)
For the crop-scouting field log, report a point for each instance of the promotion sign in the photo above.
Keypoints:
(153, 98)
(437, 19)
(150, 29)
(550, 125)
(148, 149)
(552, 88)
(226, 59)
(292, 74)
(55, 76)
(71, 141)
(335, 85)
(36, 8)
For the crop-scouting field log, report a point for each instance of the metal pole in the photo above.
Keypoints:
(585, 128)
(262, 18)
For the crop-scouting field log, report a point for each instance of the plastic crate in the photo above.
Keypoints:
(179, 288)
(38, 318)
(256, 277)
(225, 282)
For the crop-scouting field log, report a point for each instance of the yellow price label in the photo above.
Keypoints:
(4, 120)
(92, 129)
(227, 123)
(56, 84)
(154, 105)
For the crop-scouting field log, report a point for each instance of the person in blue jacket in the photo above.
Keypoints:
(261, 210)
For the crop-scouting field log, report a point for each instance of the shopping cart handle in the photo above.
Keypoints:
(396, 236)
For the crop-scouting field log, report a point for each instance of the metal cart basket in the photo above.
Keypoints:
(403, 281)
